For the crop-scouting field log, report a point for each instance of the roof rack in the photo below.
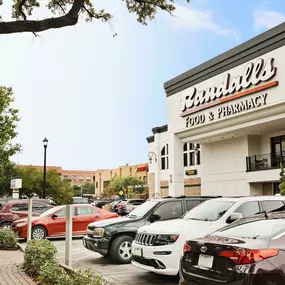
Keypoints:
(183, 196)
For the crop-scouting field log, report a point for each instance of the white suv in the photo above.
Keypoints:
(159, 246)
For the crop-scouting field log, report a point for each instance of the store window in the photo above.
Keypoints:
(65, 177)
(73, 177)
(164, 157)
(191, 154)
(88, 178)
(81, 178)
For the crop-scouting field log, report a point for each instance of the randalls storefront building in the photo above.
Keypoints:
(226, 124)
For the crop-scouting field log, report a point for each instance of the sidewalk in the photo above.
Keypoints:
(11, 272)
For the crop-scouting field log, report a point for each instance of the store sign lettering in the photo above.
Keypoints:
(228, 110)
(194, 101)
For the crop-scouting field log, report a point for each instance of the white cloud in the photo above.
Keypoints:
(196, 20)
(267, 19)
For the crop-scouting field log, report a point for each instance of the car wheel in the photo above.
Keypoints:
(39, 233)
(6, 226)
(121, 249)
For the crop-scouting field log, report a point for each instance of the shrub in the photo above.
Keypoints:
(53, 274)
(37, 253)
(87, 277)
(8, 239)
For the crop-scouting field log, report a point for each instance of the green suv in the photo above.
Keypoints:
(114, 237)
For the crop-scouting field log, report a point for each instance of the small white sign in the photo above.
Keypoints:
(206, 261)
(16, 183)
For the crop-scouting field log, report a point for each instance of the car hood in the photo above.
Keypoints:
(177, 226)
(109, 222)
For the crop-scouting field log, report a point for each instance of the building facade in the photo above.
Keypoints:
(100, 178)
(225, 133)
(103, 177)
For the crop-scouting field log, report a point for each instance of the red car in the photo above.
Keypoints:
(12, 210)
(52, 222)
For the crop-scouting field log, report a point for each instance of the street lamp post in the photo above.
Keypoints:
(45, 142)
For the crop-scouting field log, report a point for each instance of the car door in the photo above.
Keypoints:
(84, 215)
(57, 225)
(169, 210)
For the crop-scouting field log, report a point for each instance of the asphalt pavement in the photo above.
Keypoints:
(114, 273)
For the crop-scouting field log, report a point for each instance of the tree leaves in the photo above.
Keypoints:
(32, 181)
(66, 13)
(8, 124)
(126, 183)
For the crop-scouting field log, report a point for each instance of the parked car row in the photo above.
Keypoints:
(206, 240)
(115, 237)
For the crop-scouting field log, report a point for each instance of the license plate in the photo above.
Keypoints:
(138, 252)
(205, 261)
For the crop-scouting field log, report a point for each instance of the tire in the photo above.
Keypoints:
(121, 249)
(39, 233)
(6, 225)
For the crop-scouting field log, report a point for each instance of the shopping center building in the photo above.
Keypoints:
(226, 124)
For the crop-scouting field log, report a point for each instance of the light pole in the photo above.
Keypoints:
(45, 142)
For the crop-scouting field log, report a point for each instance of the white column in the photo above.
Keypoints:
(157, 166)
(176, 168)
(68, 236)
(30, 205)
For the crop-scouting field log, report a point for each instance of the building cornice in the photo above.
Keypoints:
(257, 46)
(150, 139)
(157, 130)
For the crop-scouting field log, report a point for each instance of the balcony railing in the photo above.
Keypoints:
(264, 161)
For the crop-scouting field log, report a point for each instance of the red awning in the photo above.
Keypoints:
(142, 168)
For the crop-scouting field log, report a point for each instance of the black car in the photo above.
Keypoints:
(115, 236)
(100, 203)
(247, 252)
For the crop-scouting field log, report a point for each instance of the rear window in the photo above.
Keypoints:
(253, 230)
(192, 203)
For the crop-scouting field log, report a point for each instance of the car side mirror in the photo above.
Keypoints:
(154, 217)
(234, 217)
(54, 216)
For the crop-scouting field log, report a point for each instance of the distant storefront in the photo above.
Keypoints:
(226, 124)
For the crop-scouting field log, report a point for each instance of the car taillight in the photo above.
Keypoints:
(249, 256)
(123, 205)
(186, 248)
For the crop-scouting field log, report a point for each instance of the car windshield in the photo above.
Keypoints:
(141, 210)
(210, 210)
(253, 230)
(50, 211)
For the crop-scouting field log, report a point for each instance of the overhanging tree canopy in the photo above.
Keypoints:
(66, 13)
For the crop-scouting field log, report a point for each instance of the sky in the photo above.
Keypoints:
(96, 97)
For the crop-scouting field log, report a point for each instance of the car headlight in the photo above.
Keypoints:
(20, 225)
(165, 239)
(98, 232)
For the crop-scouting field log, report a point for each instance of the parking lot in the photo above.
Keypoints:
(114, 273)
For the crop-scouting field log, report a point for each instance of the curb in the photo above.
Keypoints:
(67, 268)
(20, 247)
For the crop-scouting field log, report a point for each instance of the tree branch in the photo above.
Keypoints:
(70, 19)
(22, 3)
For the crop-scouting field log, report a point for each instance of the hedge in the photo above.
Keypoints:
(40, 262)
